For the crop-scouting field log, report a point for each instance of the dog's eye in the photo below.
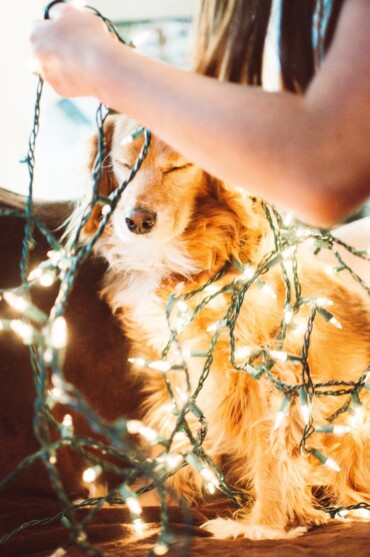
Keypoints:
(179, 167)
(125, 164)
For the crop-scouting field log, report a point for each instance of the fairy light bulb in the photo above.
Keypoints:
(283, 411)
(16, 302)
(279, 355)
(332, 465)
(338, 430)
(134, 505)
(288, 315)
(357, 411)
(248, 272)
(326, 461)
(288, 220)
(91, 474)
(243, 353)
(160, 549)
(211, 481)
(266, 289)
(67, 420)
(324, 302)
(22, 329)
(304, 407)
(133, 135)
(139, 526)
(333, 321)
(58, 333)
(160, 366)
(138, 362)
(67, 426)
(135, 427)
(218, 325)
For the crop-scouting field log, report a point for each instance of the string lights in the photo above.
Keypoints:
(130, 441)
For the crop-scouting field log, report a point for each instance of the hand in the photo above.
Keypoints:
(66, 49)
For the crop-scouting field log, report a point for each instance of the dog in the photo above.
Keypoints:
(176, 229)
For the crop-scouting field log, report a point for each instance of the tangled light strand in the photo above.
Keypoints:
(46, 336)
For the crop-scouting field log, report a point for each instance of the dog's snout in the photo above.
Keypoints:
(140, 221)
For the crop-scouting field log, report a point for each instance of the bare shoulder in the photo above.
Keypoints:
(348, 59)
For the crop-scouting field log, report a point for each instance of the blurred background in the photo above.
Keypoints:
(160, 29)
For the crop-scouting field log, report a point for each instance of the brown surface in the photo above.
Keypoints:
(95, 347)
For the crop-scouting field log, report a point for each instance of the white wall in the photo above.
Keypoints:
(55, 174)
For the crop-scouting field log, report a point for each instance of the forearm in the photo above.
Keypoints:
(269, 144)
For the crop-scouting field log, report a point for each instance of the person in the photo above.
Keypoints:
(304, 148)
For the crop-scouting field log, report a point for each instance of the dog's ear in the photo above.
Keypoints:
(250, 224)
(107, 181)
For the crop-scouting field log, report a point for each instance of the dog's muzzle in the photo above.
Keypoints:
(140, 221)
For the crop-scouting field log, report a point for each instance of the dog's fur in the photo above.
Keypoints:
(200, 225)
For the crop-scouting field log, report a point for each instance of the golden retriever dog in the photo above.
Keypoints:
(173, 230)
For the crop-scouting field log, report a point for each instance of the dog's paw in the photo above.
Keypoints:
(223, 528)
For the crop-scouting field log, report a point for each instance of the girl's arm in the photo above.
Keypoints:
(308, 154)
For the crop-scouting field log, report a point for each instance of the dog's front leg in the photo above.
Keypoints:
(283, 505)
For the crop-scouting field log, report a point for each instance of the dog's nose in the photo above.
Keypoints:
(140, 221)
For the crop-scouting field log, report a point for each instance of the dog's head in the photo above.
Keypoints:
(171, 208)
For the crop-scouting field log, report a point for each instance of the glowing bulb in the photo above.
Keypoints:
(58, 333)
(335, 429)
(16, 302)
(67, 426)
(279, 355)
(60, 552)
(332, 465)
(139, 526)
(138, 362)
(182, 306)
(22, 329)
(211, 289)
(248, 272)
(305, 410)
(160, 366)
(283, 411)
(91, 474)
(243, 353)
(173, 461)
(325, 461)
(53, 459)
(160, 549)
(341, 429)
(217, 326)
(133, 426)
(134, 505)
(288, 219)
(67, 420)
(133, 135)
(335, 322)
(149, 434)
(324, 302)
(211, 482)
(266, 289)
(288, 315)
(106, 210)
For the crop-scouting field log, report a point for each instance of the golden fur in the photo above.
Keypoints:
(200, 225)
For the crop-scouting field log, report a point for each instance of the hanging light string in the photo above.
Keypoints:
(121, 453)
